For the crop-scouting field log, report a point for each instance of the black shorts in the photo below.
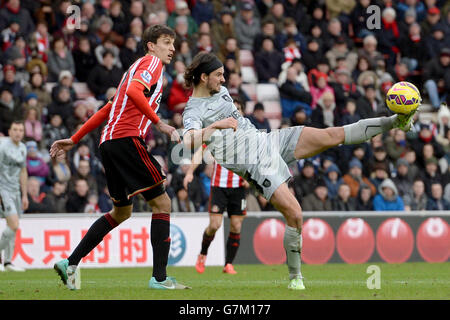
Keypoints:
(230, 199)
(130, 170)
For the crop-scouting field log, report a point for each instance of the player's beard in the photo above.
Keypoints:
(212, 91)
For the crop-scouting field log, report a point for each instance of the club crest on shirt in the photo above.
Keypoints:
(227, 98)
(146, 76)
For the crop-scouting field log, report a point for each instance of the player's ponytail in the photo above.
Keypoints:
(202, 63)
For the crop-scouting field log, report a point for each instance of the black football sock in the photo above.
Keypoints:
(160, 238)
(206, 241)
(232, 246)
(100, 228)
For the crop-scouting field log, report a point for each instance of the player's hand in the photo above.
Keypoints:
(245, 184)
(59, 147)
(228, 123)
(24, 202)
(169, 130)
(187, 179)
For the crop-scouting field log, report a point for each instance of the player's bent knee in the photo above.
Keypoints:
(161, 204)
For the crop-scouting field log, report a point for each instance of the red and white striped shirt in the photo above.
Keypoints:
(125, 119)
(225, 178)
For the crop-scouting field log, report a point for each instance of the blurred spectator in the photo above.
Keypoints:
(297, 11)
(335, 32)
(54, 130)
(184, 52)
(340, 49)
(364, 199)
(318, 200)
(36, 166)
(432, 19)
(277, 15)
(402, 181)
(181, 31)
(413, 171)
(65, 80)
(57, 197)
(425, 137)
(299, 117)
(204, 44)
(379, 157)
(333, 180)
(413, 49)
(417, 199)
(11, 83)
(388, 35)
(350, 115)
(368, 106)
(9, 109)
(202, 11)
(318, 86)
(60, 170)
(92, 205)
(325, 114)
(416, 5)
(305, 181)
(62, 106)
(267, 30)
(443, 127)
(235, 88)
(362, 65)
(181, 9)
(223, 28)
(84, 59)
(312, 54)
(436, 201)
(12, 11)
(293, 94)
(388, 199)
(37, 201)
(59, 59)
(105, 33)
(104, 200)
(182, 202)
(343, 201)
(354, 178)
(104, 76)
(436, 73)
(431, 175)
(258, 118)
(129, 52)
(230, 50)
(302, 78)
(268, 62)
(78, 198)
(247, 26)
(344, 88)
(79, 115)
(117, 16)
(84, 173)
(37, 87)
(32, 121)
(290, 33)
(369, 50)
(378, 174)
(179, 93)
(110, 46)
(396, 145)
(358, 17)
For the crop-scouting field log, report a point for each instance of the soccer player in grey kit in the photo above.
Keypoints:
(13, 189)
(262, 158)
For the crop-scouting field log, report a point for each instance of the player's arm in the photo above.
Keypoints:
(60, 146)
(196, 161)
(23, 179)
(196, 137)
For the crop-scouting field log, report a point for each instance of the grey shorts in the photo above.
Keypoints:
(11, 203)
(275, 151)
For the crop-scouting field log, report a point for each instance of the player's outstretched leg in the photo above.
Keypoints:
(67, 268)
(160, 240)
(285, 202)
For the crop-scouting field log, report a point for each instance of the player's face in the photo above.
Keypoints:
(215, 80)
(164, 48)
(16, 132)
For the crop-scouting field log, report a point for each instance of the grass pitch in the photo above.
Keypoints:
(262, 282)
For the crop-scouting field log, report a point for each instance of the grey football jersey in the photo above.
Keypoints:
(227, 146)
(12, 160)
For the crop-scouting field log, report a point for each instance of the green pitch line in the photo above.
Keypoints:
(330, 281)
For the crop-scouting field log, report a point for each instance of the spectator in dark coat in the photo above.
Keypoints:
(203, 11)
(325, 114)
(84, 59)
(267, 30)
(368, 106)
(418, 199)
(9, 82)
(364, 200)
(344, 88)
(305, 181)
(318, 200)
(59, 59)
(12, 11)
(388, 35)
(10, 110)
(104, 76)
(268, 62)
(431, 175)
(343, 201)
(129, 53)
(436, 201)
(62, 105)
(436, 72)
(293, 94)
(258, 118)
(37, 201)
(402, 181)
(78, 199)
(57, 197)
(413, 49)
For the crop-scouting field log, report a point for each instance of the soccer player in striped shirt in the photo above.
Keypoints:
(129, 167)
(262, 158)
(227, 193)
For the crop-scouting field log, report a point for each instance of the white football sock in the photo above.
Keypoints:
(292, 243)
(365, 129)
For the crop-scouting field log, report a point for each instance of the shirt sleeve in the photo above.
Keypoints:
(191, 121)
(148, 71)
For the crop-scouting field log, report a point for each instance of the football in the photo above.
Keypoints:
(403, 98)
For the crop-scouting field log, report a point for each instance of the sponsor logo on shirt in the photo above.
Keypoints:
(146, 76)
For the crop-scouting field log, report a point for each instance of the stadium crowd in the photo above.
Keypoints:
(328, 67)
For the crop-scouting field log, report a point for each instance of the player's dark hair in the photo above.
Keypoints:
(202, 63)
(153, 33)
